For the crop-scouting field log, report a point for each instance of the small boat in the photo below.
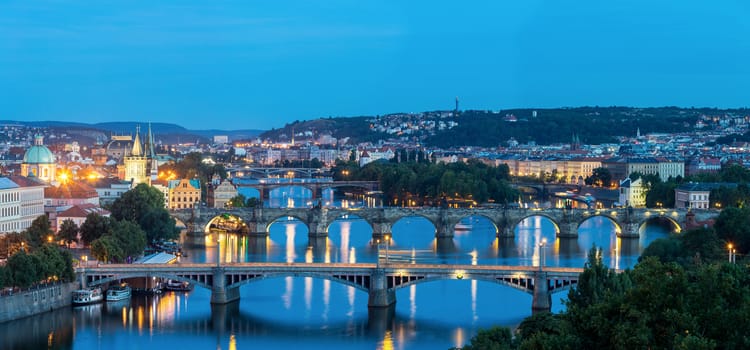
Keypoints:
(178, 286)
(87, 296)
(463, 227)
(120, 292)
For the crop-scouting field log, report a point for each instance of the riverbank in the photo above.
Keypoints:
(35, 301)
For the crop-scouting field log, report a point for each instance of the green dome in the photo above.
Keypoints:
(38, 154)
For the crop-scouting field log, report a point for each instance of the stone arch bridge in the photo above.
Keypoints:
(257, 221)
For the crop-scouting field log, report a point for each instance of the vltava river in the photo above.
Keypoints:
(309, 313)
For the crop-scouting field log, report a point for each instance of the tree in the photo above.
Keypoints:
(94, 227)
(106, 249)
(495, 338)
(134, 203)
(24, 269)
(68, 232)
(158, 225)
(238, 201)
(733, 226)
(37, 233)
(599, 177)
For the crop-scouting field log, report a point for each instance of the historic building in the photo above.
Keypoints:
(39, 162)
(219, 195)
(21, 201)
(184, 193)
(140, 165)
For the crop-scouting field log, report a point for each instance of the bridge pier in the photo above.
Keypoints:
(629, 230)
(380, 320)
(542, 298)
(567, 230)
(380, 296)
(220, 293)
(505, 231)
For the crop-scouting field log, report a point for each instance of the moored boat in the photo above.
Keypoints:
(120, 292)
(87, 296)
(178, 286)
(463, 227)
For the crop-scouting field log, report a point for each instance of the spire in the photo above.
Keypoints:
(152, 155)
(137, 150)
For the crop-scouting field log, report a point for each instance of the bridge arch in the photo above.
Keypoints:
(518, 282)
(395, 219)
(346, 216)
(228, 222)
(278, 218)
(520, 219)
(610, 218)
(477, 215)
(675, 226)
(363, 283)
(205, 283)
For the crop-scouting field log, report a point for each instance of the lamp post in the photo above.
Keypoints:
(541, 253)
(730, 249)
(387, 243)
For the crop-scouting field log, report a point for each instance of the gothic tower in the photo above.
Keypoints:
(136, 169)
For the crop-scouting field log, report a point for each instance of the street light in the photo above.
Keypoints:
(387, 243)
(541, 253)
(730, 250)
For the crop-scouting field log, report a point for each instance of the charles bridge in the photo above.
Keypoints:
(257, 221)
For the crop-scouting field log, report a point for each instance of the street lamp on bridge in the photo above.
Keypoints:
(541, 253)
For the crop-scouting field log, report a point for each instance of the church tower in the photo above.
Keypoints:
(136, 169)
(154, 173)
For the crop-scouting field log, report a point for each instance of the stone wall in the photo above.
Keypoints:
(36, 301)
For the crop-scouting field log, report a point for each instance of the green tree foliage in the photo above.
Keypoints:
(24, 269)
(37, 233)
(599, 177)
(55, 263)
(94, 227)
(144, 205)
(68, 232)
(133, 204)
(238, 201)
(159, 225)
(661, 195)
(426, 183)
(728, 196)
(733, 225)
(124, 239)
(700, 245)
(495, 338)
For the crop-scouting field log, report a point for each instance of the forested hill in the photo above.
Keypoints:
(591, 125)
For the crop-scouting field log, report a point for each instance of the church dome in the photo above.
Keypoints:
(39, 153)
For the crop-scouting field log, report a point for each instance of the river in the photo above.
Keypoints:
(319, 314)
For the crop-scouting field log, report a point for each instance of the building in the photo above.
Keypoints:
(39, 162)
(221, 194)
(696, 195)
(184, 193)
(632, 193)
(77, 214)
(109, 189)
(21, 201)
(136, 164)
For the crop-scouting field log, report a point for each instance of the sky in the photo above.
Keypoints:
(260, 64)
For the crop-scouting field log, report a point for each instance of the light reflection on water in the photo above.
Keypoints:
(288, 311)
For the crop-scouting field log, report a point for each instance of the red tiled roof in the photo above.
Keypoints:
(82, 210)
(70, 189)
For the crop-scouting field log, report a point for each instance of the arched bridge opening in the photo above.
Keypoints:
(227, 223)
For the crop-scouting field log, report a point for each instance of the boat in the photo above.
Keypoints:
(120, 292)
(178, 286)
(463, 227)
(87, 296)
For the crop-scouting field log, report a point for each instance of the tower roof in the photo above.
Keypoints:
(137, 150)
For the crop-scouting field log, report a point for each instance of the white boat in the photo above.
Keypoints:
(178, 286)
(463, 227)
(87, 296)
(120, 292)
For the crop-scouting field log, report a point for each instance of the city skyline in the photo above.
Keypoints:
(258, 66)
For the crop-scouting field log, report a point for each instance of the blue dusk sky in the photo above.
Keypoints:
(261, 64)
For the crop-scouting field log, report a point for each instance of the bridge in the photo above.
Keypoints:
(257, 221)
(317, 187)
(380, 281)
(261, 173)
